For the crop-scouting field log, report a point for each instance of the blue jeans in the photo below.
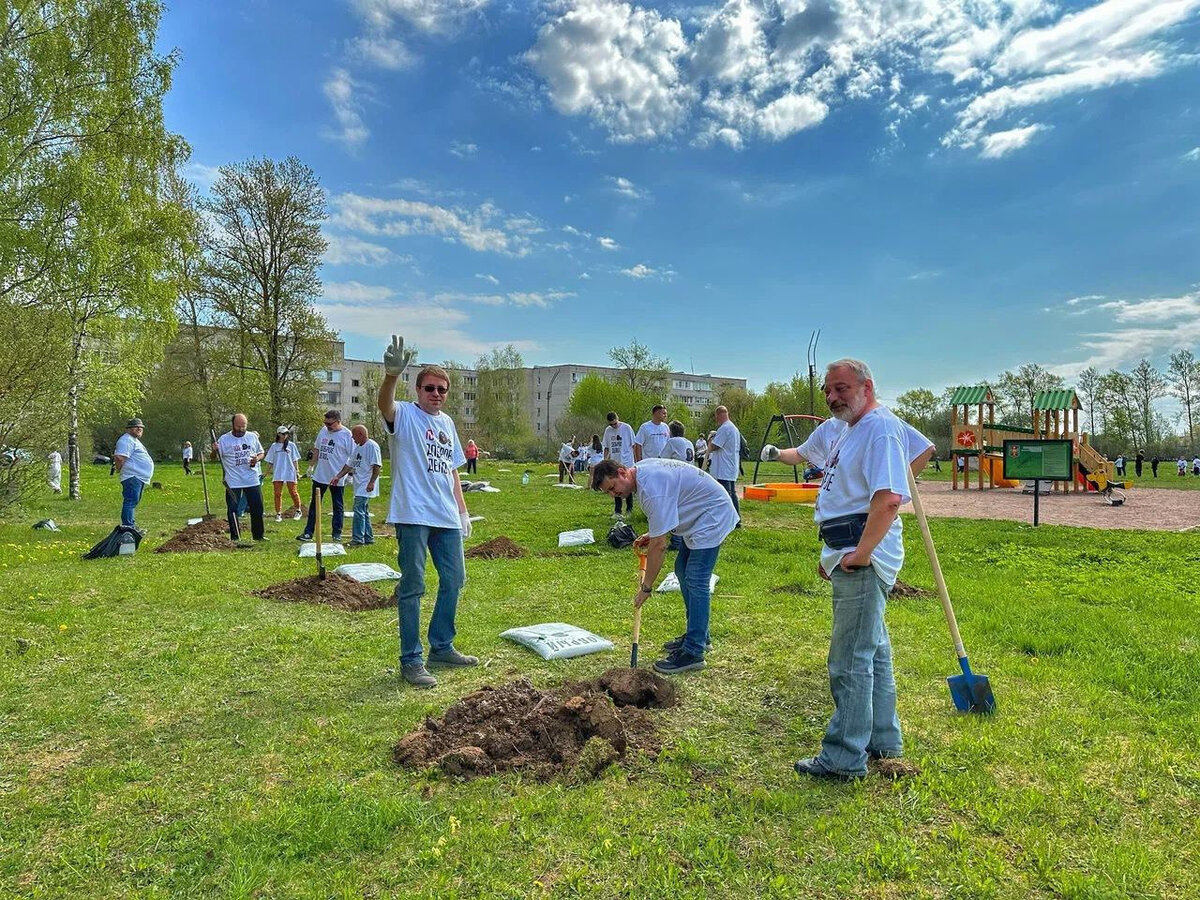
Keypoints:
(131, 495)
(694, 570)
(860, 675)
(363, 533)
(336, 491)
(731, 489)
(446, 548)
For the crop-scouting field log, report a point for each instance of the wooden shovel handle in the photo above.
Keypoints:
(931, 551)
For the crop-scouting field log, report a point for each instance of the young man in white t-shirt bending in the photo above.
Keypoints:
(864, 486)
(676, 497)
(428, 510)
(365, 464)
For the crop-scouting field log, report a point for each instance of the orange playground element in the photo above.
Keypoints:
(782, 492)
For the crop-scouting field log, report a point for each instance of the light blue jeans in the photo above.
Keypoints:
(694, 569)
(362, 532)
(446, 549)
(860, 676)
(131, 495)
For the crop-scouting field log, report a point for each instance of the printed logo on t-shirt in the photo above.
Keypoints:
(438, 452)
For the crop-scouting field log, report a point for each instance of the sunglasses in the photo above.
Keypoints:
(430, 388)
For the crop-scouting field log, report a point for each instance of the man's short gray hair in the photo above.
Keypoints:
(861, 369)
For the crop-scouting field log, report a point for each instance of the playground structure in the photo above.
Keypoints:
(976, 435)
(793, 431)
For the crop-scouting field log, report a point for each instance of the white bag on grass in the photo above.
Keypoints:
(368, 571)
(671, 583)
(576, 538)
(557, 640)
(309, 550)
(572, 487)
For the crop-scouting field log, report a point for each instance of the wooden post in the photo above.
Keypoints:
(954, 447)
(979, 444)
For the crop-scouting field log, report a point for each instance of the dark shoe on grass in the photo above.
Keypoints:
(677, 644)
(417, 675)
(451, 657)
(679, 661)
(356, 544)
(814, 768)
(304, 537)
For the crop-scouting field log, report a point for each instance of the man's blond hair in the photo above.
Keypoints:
(432, 371)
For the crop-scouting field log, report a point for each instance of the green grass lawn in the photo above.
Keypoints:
(163, 733)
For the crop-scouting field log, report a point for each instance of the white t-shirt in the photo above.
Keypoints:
(365, 456)
(55, 461)
(425, 453)
(138, 463)
(566, 453)
(595, 457)
(682, 498)
(618, 442)
(701, 446)
(235, 452)
(335, 448)
(679, 448)
(724, 452)
(820, 443)
(652, 439)
(283, 462)
(871, 456)
(187, 453)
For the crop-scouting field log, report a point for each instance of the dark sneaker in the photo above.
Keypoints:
(356, 544)
(677, 644)
(417, 675)
(884, 754)
(261, 539)
(814, 768)
(451, 657)
(304, 537)
(337, 539)
(679, 661)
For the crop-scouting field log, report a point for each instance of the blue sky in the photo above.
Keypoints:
(946, 188)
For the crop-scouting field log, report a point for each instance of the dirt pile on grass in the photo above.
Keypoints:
(336, 590)
(907, 590)
(497, 548)
(578, 729)
(203, 537)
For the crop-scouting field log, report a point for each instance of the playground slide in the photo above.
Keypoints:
(993, 467)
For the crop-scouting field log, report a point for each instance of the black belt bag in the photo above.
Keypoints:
(843, 531)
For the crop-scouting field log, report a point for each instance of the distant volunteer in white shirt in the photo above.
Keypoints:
(678, 447)
(331, 450)
(595, 453)
(618, 446)
(283, 456)
(566, 461)
(240, 452)
(366, 462)
(865, 483)
(428, 510)
(701, 451)
(133, 461)
(186, 454)
(724, 449)
(676, 497)
(54, 471)
(650, 439)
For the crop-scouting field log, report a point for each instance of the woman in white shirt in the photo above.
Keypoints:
(284, 457)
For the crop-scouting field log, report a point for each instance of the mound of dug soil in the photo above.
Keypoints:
(202, 537)
(578, 729)
(497, 548)
(907, 590)
(336, 590)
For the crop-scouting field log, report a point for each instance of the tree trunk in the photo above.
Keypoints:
(73, 490)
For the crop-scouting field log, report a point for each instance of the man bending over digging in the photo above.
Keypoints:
(676, 497)
(428, 510)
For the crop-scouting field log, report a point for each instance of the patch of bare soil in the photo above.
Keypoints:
(893, 768)
(202, 537)
(578, 729)
(902, 589)
(497, 548)
(338, 591)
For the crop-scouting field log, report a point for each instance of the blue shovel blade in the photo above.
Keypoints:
(971, 693)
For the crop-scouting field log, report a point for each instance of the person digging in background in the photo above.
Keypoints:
(676, 497)
(428, 510)
(133, 461)
(864, 485)
(566, 461)
(331, 450)
(284, 458)
(240, 452)
(366, 462)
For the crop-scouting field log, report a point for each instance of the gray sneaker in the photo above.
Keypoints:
(417, 675)
(451, 657)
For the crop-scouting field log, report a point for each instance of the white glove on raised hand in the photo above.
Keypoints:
(464, 518)
(393, 356)
(770, 453)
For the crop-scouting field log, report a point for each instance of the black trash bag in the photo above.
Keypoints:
(111, 545)
(621, 536)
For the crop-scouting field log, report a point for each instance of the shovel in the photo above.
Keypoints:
(208, 513)
(637, 611)
(317, 534)
(970, 691)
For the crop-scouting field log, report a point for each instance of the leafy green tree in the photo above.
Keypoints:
(640, 369)
(1149, 387)
(1087, 386)
(1184, 375)
(502, 401)
(1016, 390)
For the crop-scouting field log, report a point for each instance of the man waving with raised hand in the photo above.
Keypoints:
(428, 510)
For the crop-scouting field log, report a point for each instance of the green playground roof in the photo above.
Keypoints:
(971, 396)
(1055, 400)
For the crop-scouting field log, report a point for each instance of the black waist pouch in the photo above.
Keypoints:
(844, 531)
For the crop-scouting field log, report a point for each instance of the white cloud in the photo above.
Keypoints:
(490, 279)
(641, 270)
(1192, 155)
(347, 249)
(540, 299)
(381, 51)
(463, 150)
(626, 188)
(608, 243)
(205, 176)
(1085, 298)
(341, 92)
(767, 69)
(1157, 325)
(430, 16)
(485, 229)
(355, 292)
(1002, 143)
